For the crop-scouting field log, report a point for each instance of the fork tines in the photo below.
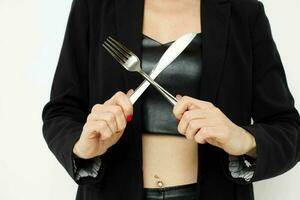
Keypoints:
(116, 49)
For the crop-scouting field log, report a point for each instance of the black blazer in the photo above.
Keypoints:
(242, 75)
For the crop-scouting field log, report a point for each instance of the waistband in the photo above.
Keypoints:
(187, 190)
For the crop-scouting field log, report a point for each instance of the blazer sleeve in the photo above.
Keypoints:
(276, 126)
(65, 114)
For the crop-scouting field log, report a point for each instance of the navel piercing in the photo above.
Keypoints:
(159, 182)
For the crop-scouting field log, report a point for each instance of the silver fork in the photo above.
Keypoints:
(132, 63)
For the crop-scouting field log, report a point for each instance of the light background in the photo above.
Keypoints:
(31, 34)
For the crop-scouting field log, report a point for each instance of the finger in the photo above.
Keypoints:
(199, 103)
(100, 128)
(130, 92)
(178, 96)
(188, 103)
(192, 115)
(195, 125)
(116, 110)
(192, 128)
(204, 134)
(107, 116)
(120, 118)
(122, 100)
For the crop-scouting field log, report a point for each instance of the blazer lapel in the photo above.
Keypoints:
(129, 26)
(214, 24)
(129, 21)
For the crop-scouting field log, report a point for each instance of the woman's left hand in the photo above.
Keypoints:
(203, 122)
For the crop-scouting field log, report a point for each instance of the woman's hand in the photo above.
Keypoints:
(104, 126)
(203, 122)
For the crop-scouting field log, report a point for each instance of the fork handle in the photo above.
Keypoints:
(164, 92)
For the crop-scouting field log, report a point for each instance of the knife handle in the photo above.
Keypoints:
(139, 91)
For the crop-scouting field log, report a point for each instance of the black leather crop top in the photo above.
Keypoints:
(182, 77)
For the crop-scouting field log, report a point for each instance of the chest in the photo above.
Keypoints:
(167, 20)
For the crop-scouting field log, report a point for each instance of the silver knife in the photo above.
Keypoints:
(170, 54)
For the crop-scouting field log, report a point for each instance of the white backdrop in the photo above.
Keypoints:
(31, 34)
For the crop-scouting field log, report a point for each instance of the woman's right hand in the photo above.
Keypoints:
(104, 126)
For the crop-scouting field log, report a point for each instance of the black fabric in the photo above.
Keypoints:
(182, 76)
(178, 192)
(242, 75)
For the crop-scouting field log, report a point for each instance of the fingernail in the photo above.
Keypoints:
(129, 118)
(178, 96)
(129, 92)
(177, 120)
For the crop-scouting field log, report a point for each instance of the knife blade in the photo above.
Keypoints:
(169, 56)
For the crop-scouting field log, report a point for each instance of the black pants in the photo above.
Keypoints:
(178, 192)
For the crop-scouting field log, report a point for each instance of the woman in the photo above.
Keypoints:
(114, 151)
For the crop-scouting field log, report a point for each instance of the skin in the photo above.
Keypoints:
(104, 126)
(203, 122)
(171, 159)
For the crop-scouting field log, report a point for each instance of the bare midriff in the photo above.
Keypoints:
(168, 160)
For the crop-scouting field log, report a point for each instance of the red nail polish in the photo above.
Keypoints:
(129, 118)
